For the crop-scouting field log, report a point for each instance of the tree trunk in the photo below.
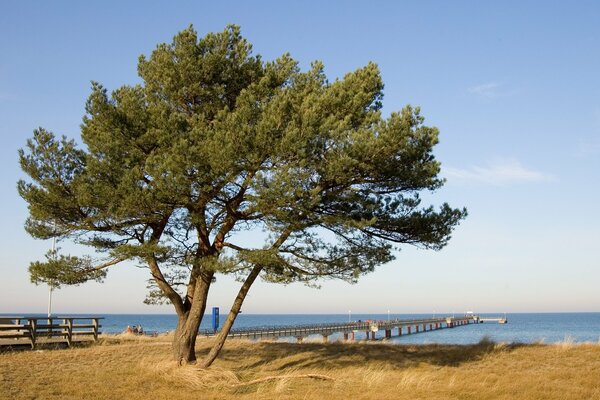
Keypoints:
(235, 310)
(184, 342)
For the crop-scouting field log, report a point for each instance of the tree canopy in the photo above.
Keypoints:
(216, 141)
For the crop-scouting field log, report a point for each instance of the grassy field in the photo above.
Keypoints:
(120, 368)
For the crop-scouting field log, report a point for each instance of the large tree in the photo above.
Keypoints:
(214, 142)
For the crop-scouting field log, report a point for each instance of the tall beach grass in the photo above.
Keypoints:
(124, 366)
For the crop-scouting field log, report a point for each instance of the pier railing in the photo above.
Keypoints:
(18, 330)
(348, 329)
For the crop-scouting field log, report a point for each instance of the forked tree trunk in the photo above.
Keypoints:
(233, 313)
(184, 342)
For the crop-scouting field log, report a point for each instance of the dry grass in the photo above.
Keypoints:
(126, 366)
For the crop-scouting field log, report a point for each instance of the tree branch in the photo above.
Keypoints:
(108, 264)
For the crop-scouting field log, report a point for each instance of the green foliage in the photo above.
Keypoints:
(216, 141)
(60, 270)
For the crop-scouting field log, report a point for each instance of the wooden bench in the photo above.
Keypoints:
(27, 330)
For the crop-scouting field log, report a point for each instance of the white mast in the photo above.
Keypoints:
(50, 287)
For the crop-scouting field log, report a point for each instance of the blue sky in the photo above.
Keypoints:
(513, 87)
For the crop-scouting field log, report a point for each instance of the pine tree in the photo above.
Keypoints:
(216, 141)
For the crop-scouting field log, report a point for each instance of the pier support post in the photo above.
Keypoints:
(368, 335)
(69, 331)
(33, 332)
(417, 328)
(388, 333)
(399, 331)
(346, 336)
(409, 329)
(95, 323)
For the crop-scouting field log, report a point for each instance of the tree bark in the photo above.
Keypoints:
(233, 313)
(184, 342)
(183, 345)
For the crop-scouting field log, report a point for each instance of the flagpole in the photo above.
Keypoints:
(50, 287)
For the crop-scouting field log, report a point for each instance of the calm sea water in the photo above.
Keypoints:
(523, 328)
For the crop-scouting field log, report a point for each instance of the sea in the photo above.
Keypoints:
(521, 327)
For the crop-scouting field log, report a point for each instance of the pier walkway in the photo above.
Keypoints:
(350, 330)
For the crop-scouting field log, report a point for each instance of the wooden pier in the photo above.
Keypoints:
(33, 331)
(350, 330)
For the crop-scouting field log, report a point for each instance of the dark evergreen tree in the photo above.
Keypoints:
(216, 141)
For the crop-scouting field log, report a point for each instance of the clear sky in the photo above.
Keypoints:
(513, 86)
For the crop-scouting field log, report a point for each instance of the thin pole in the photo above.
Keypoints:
(50, 287)
(49, 301)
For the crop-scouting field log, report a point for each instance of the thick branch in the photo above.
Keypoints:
(157, 274)
(164, 285)
(108, 264)
(232, 213)
(235, 309)
(234, 246)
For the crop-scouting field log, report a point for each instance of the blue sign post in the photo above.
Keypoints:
(215, 319)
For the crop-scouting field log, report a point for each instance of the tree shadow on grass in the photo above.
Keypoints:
(281, 356)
